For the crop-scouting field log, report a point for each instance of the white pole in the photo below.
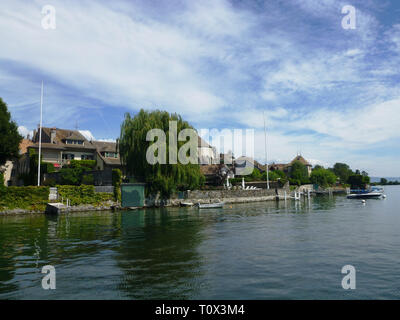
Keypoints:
(266, 159)
(40, 134)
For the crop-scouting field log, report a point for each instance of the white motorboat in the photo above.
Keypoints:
(210, 205)
(373, 193)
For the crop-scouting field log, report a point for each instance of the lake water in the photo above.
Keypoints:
(260, 250)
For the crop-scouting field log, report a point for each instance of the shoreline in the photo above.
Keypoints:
(193, 197)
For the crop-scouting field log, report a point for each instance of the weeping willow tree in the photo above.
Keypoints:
(165, 178)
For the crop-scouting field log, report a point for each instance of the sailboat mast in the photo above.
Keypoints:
(40, 134)
(266, 159)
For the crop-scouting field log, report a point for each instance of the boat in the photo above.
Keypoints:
(210, 205)
(373, 193)
(186, 204)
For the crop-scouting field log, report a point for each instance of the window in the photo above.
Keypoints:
(87, 157)
(69, 141)
(110, 154)
(68, 156)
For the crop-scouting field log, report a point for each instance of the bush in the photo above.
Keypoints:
(71, 176)
(116, 182)
(51, 182)
(295, 182)
(84, 194)
(323, 177)
(31, 198)
(88, 179)
(2, 181)
(85, 164)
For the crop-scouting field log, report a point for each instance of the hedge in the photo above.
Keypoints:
(84, 194)
(116, 182)
(30, 198)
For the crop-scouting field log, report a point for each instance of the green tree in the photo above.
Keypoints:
(256, 174)
(299, 173)
(71, 176)
(163, 178)
(322, 177)
(358, 181)
(383, 181)
(342, 171)
(9, 136)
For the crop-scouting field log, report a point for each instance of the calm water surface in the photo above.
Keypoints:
(248, 251)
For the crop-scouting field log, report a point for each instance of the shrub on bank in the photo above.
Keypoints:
(28, 198)
(84, 194)
(116, 182)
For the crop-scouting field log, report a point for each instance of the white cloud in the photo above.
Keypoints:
(23, 131)
(213, 62)
(87, 134)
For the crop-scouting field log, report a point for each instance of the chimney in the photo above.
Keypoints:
(53, 132)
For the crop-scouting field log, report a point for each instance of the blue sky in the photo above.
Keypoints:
(328, 92)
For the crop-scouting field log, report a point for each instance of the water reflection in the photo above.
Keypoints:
(292, 249)
(158, 254)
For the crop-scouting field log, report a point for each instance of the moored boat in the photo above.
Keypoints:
(210, 205)
(373, 193)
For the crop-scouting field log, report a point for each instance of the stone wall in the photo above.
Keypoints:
(222, 194)
(227, 196)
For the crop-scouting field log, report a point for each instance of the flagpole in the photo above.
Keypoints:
(40, 134)
(266, 159)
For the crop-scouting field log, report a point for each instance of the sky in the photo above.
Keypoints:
(327, 92)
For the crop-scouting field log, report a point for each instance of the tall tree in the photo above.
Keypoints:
(342, 171)
(9, 136)
(299, 172)
(322, 177)
(133, 147)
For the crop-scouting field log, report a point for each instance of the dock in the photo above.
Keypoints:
(55, 208)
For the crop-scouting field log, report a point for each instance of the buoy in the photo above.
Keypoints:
(362, 201)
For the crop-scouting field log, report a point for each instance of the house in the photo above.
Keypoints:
(303, 161)
(288, 166)
(206, 153)
(245, 165)
(216, 174)
(60, 146)
(107, 155)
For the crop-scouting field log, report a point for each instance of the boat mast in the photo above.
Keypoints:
(266, 159)
(40, 134)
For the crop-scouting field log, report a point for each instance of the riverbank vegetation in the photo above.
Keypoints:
(83, 194)
(386, 182)
(9, 136)
(35, 198)
(27, 198)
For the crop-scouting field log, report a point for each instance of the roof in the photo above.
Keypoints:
(74, 135)
(202, 143)
(241, 161)
(278, 166)
(212, 169)
(103, 146)
(300, 159)
(23, 146)
(59, 139)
